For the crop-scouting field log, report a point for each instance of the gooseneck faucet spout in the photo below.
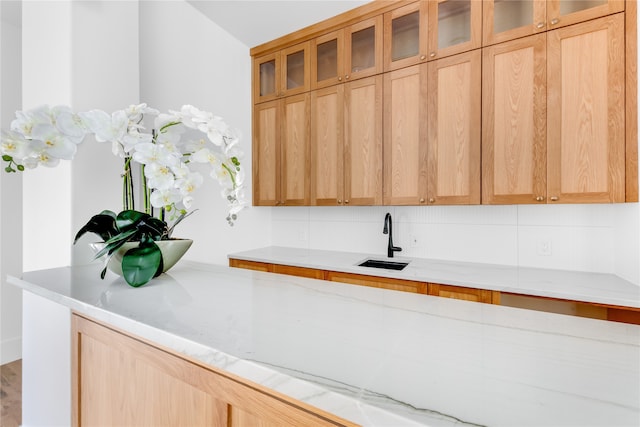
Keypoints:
(388, 229)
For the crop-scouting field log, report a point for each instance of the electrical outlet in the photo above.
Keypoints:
(544, 247)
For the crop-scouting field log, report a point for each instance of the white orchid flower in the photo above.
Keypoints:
(71, 125)
(26, 120)
(53, 142)
(189, 183)
(106, 127)
(148, 152)
(205, 155)
(162, 198)
(15, 145)
(159, 176)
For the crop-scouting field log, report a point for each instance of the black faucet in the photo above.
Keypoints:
(388, 229)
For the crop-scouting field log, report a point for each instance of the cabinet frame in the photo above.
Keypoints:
(376, 23)
(475, 28)
(338, 36)
(421, 7)
(489, 37)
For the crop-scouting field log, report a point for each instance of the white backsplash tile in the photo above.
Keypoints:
(592, 215)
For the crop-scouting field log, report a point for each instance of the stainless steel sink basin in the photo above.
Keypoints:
(379, 263)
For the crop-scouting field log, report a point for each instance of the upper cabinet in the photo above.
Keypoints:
(327, 60)
(455, 26)
(510, 19)
(282, 73)
(405, 36)
(442, 102)
(363, 49)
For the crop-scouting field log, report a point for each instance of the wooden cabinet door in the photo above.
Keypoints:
(507, 19)
(467, 294)
(455, 26)
(363, 142)
(266, 77)
(378, 282)
(586, 113)
(363, 48)
(405, 136)
(327, 60)
(327, 146)
(454, 129)
(295, 69)
(405, 36)
(514, 122)
(119, 380)
(561, 13)
(267, 118)
(250, 265)
(295, 150)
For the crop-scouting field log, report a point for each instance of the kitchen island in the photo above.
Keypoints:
(368, 356)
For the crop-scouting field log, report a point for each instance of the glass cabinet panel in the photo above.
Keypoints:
(363, 49)
(572, 6)
(268, 78)
(405, 36)
(511, 14)
(327, 60)
(295, 69)
(454, 23)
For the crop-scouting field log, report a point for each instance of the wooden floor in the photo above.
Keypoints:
(11, 394)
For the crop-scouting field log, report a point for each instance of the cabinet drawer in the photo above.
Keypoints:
(251, 265)
(299, 271)
(378, 282)
(467, 294)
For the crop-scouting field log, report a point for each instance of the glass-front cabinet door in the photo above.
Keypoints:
(266, 78)
(405, 36)
(511, 19)
(561, 13)
(327, 60)
(295, 73)
(363, 49)
(454, 26)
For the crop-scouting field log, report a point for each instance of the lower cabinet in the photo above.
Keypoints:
(530, 302)
(120, 380)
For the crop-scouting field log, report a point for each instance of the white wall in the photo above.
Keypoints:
(10, 185)
(185, 58)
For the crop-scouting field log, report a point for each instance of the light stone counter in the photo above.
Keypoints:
(373, 356)
(570, 285)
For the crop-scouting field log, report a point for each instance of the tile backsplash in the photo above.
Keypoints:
(571, 237)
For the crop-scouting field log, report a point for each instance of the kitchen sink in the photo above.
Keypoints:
(389, 265)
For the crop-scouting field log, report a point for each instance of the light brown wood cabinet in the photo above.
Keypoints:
(282, 73)
(121, 380)
(398, 117)
(378, 282)
(281, 156)
(463, 293)
(553, 128)
(507, 20)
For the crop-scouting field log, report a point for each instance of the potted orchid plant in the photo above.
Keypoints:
(162, 157)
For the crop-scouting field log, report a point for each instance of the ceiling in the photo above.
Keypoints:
(254, 22)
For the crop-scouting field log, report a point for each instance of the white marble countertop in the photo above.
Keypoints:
(563, 284)
(373, 356)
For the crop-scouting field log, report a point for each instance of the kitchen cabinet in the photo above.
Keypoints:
(405, 36)
(507, 19)
(282, 73)
(327, 60)
(405, 136)
(363, 48)
(466, 294)
(455, 26)
(363, 142)
(251, 265)
(112, 371)
(281, 144)
(378, 282)
(454, 115)
(327, 146)
(586, 112)
(553, 116)
(514, 128)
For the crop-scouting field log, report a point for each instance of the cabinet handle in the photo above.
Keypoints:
(346, 77)
(422, 200)
(340, 78)
(540, 25)
(339, 201)
(554, 21)
(432, 54)
(423, 57)
(555, 198)
(539, 199)
(346, 202)
(432, 200)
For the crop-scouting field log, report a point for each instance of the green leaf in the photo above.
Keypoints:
(140, 264)
(7, 158)
(129, 219)
(103, 224)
